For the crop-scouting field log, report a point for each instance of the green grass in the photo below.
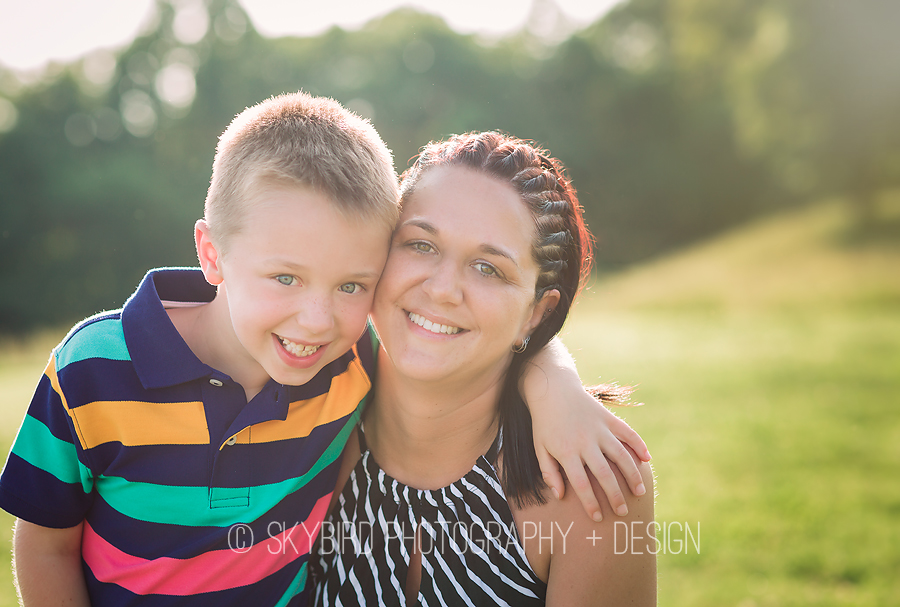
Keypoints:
(777, 437)
(769, 364)
(21, 365)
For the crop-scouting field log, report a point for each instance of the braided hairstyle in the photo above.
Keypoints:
(562, 249)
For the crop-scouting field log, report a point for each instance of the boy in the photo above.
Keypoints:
(181, 443)
(184, 448)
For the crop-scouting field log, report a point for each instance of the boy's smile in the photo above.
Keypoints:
(295, 286)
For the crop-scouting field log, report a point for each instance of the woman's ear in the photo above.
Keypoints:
(208, 254)
(548, 302)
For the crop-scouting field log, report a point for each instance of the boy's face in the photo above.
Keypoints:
(298, 281)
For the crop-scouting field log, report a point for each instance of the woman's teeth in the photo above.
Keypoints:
(298, 349)
(433, 326)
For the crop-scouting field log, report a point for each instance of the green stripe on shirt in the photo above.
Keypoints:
(178, 505)
(37, 445)
(99, 339)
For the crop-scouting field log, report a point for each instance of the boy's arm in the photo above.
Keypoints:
(572, 429)
(47, 565)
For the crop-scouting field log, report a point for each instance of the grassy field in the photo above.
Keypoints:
(769, 364)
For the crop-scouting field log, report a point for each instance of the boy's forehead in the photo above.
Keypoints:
(281, 210)
(308, 237)
(267, 190)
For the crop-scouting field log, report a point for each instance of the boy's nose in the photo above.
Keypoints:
(316, 315)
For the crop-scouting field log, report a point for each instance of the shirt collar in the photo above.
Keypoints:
(160, 356)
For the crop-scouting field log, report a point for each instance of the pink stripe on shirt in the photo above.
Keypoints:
(208, 572)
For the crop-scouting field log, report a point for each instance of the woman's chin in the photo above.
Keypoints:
(421, 369)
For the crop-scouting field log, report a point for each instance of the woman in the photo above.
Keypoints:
(444, 502)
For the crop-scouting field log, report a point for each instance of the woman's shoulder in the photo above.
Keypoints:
(581, 559)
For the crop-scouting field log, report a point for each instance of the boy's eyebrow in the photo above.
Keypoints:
(485, 248)
(364, 275)
(299, 267)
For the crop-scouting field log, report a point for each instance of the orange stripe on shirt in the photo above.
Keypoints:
(347, 390)
(50, 372)
(141, 423)
(134, 423)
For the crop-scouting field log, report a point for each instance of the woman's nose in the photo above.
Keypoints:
(444, 285)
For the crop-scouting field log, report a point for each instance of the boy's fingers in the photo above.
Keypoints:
(631, 438)
(582, 487)
(550, 471)
(622, 458)
(609, 483)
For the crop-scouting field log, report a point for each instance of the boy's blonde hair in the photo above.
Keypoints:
(300, 140)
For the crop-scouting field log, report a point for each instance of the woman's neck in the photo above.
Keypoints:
(427, 435)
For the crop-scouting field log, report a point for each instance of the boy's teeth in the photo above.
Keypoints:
(433, 326)
(298, 349)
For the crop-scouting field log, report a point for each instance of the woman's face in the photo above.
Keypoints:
(458, 289)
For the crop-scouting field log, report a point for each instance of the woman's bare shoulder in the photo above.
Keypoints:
(586, 562)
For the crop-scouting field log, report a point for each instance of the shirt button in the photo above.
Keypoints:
(231, 441)
(216, 382)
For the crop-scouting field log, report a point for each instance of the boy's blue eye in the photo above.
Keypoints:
(350, 288)
(286, 280)
(486, 269)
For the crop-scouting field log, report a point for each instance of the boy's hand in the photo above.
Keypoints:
(573, 430)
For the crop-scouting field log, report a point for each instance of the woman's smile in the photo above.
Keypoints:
(433, 325)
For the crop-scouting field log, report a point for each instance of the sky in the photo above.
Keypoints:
(33, 32)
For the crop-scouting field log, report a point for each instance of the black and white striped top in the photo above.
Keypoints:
(471, 553)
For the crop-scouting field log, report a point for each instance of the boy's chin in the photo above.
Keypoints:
(296, 377)
(300, 372)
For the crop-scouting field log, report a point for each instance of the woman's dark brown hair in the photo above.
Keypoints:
(561, 247)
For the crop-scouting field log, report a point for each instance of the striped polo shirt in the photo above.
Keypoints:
(189, 494)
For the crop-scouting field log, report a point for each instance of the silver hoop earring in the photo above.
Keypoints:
(524, 345)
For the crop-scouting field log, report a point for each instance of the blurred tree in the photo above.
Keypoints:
(649, 134)
(676, 118)
(846, 61)
(812, 87)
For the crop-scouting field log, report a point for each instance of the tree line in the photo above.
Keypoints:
(677, 119)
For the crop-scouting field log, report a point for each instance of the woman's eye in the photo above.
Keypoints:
(486, 268)
(286, 280)
(350, 288)
(422, 247)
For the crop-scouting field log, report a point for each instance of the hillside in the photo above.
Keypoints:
(796, 258)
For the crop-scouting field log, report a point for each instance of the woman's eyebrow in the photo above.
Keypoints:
(421, 223)
(491, 250)
(487, 249)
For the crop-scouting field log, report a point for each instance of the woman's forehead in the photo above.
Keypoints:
(466, 200)
(472, 215)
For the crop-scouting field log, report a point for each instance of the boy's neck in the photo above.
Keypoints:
(201, 329)
(428, 436)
